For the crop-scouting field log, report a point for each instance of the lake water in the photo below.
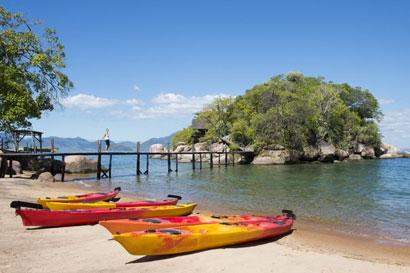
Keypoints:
(370, 197)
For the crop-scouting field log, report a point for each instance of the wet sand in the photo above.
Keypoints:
(309, 248)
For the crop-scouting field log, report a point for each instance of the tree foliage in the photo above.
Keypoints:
(295, 111)
(31, 80)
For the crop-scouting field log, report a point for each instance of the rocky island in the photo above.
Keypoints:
(290, 119)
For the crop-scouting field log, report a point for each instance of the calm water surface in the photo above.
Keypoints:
(370, 197)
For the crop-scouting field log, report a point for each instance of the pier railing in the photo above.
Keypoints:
(229, 159)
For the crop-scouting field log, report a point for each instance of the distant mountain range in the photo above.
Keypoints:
(79, 144)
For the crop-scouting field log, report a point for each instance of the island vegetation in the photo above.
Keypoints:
(294, 112)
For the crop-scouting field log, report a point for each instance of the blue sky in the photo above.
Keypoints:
(142, 68)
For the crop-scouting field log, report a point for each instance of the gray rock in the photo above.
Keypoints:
(249, 148)
(355, 157)
(326, 151)
(390, 156)
(273, 157)
(310, 153)
(156, 148)
(17, 167)
(368, 153)
(80, 164)
(200, 147)
(188, 148)
(180, 143)
(183, 158)
(342, 154)
(46, 177)
(180, 148)
(358, 148)
(218, 147)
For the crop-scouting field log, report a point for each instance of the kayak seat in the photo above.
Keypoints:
(152, 221)
(170, 231)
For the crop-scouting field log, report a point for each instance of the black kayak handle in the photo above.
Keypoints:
(174, 196)
(19, 204)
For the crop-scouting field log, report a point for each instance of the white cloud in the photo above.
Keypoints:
(134, 102)
(384, 101)
(168, 98)
(136, 87)
(395, 127)
(84, 101)
(178, 105)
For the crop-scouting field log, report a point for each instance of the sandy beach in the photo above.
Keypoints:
(308, 248)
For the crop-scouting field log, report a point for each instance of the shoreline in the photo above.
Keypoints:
(306, 239)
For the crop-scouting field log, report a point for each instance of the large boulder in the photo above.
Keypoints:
(200, 147)
(355, 157)
(16, 166)
(389, 150)
(359, 148)
(218, 147)
(390, 156)
(368, 153)
(184, 158)
(310, 153)
(273, 157)
(80, 164)
(156, 148)
(46, 177)
(179, 148)
(341, 154)
(326, 151)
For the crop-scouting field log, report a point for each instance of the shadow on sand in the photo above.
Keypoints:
(153, 258)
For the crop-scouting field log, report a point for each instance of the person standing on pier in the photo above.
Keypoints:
(106, 137)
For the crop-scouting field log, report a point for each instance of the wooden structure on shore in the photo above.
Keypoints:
(102, 173)
(19, 135)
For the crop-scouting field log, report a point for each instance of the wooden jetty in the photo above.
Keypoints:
(106, 173)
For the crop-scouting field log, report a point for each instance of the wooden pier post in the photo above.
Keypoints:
(211, 160)
(62, 168)
(109, 167)
(176, 162)
(226, 157)
(219, 160)
(52, 156)
(193, 156)
(99, 161)
(233, 158)
(138, 159)
(147, 170)
(169, 159)
(200, 161)
(11, 168)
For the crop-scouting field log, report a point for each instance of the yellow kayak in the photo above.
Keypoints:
(198, 237)
(96, 205)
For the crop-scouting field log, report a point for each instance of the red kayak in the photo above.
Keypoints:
(83, 198)
(58, 218)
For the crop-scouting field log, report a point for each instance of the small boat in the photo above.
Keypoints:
(135, 224)
(90, 197)
(199, 237)
(58, 218)
(64, 206)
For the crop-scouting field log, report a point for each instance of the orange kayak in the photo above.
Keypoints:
(136, 224)
(199, 237)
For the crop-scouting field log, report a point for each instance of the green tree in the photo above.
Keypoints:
(185, 135)
(31, 80)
